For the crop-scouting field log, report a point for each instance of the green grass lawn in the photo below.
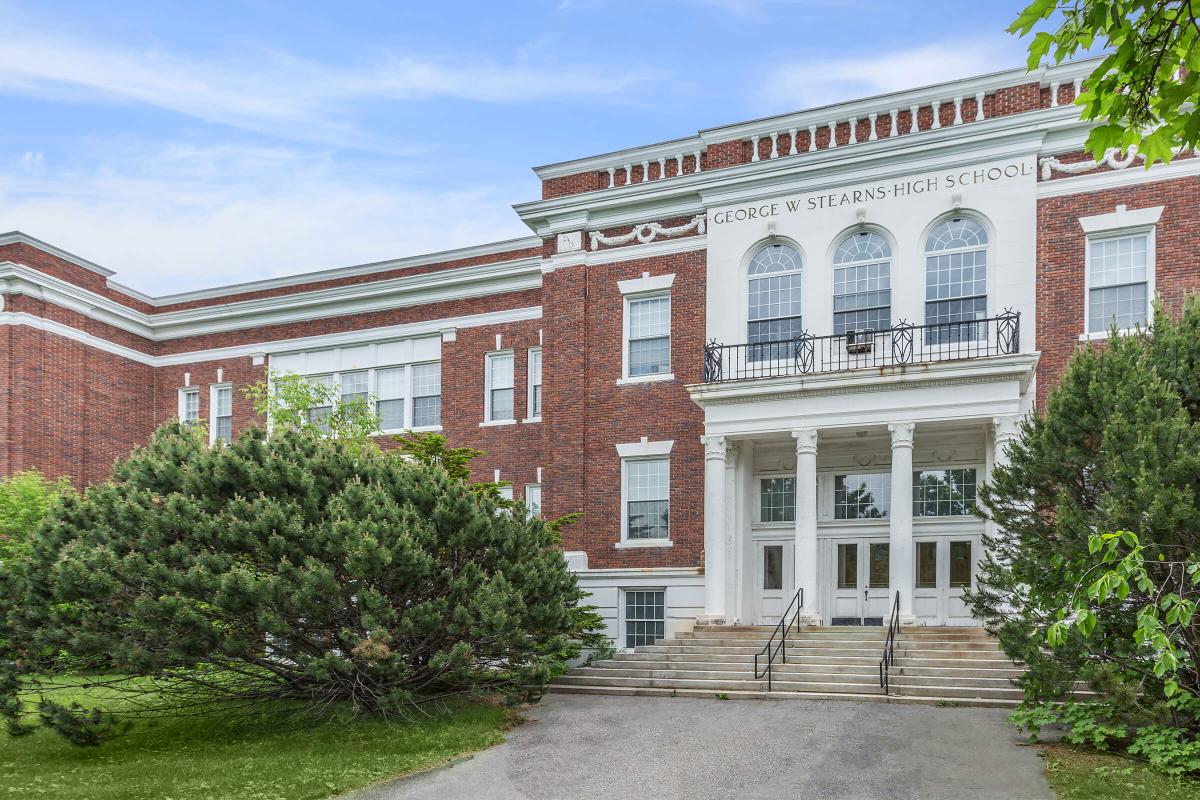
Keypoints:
(1089, 775)
(264, 759)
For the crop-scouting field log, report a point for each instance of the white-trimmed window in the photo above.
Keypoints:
(1118, 281)
(645, 616)
(648, 336)
(403, 397)
(862, 283)
(865, 495)
(427, 395)
(956, 255)
(647, 498)
(189, 405)
(498, 397)
(777, 500)
(506, 491)
(774, 309)
(533, 499)
(944, 492)
(535, 383)
(390, 388)
(222, 413)
(318, 414)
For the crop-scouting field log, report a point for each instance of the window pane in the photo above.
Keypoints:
(225, 428)
(389, 383)
(774, 258)
(926, 565)
(862, 297)
(191, 406)
(500, 371)
(649, 317)
(354, 386)
(777, 500)
(427, 395)
(960, 565)
(224, 401)
(847, 555)
(955, 280)
(502, 404)
(1118, 261)
(645, 618)
(1123, 306)
(647, 495)
(772, 567)
(649, 356)
(864, 496)
(879, 558)
(533, 499)
(535, 383)
(391, 414)
(944, 493)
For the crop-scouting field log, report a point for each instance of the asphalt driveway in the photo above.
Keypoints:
(579, 747)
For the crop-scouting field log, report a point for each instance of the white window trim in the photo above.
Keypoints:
(756, 489)
(622, 591)
(627, 379)
(183, 392)
(644, 450)
(487, 389)
(213, 388)
(1099, 234)
(525, 495)
(530, 416)
(409, 368)
(647, 284)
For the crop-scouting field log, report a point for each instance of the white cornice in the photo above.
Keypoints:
(692, 193)
(978, 370)
(1115, 179)
(459, 254)
(17, 237)
(409, 290)
(633, 252)
(392, 332)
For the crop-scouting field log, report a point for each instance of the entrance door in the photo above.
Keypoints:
(860, 581)
(944, 568)
(775, 579)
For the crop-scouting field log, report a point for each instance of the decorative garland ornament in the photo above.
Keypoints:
(647, 232)
(1110, 158)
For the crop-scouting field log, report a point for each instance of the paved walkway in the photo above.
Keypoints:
(579, 747)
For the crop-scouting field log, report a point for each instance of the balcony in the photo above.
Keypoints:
(896, 348)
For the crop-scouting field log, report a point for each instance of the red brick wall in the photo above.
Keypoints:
(1061, 259)
(73, 409)
(587, 414)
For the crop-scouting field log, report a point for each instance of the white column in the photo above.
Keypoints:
(900, 520)
(714, 530)
(806, 524)
(1005, 430)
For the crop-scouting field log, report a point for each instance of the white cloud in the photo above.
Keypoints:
(173, 218)
(818, 82)
(273, 92)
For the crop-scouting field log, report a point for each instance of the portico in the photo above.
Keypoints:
(856, 490)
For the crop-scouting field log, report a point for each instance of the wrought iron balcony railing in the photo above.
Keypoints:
(901, 345)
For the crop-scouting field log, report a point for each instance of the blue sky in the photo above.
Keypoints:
(194, 144)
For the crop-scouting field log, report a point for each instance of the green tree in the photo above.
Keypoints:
(1117, 449)
(291, 567)
(24, 500)
(1137, 93)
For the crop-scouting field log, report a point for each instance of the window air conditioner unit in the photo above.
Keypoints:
(860, 341)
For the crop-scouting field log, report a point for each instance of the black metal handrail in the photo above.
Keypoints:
(889, 645)
(770, 649)
(898, 346)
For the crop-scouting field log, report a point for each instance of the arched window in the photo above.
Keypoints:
(955, 280)
(774, 311)
(862, 283)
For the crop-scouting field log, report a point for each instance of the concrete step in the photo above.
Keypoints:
(907, 671)
(674, 674)
(793, 657)
(705, 694)
(956, 692)
(952, 681)
(717, 685)
(743, 668)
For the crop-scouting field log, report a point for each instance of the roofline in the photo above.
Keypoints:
(232, 290)
(987, 82)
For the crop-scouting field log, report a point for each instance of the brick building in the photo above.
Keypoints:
(773, 355)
